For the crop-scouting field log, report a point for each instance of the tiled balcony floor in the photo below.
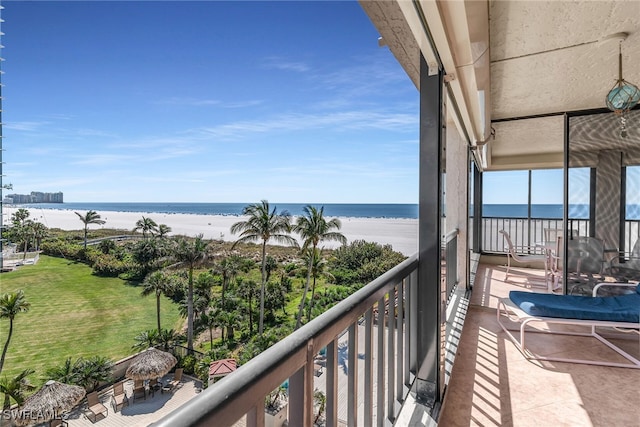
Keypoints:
(492, 384)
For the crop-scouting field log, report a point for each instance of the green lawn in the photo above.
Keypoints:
(74, 313)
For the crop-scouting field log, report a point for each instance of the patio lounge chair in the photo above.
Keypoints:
(119, 399)
(95, 406)
(177, 378)
(620, 312)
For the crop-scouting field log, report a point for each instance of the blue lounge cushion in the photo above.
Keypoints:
(622, 308)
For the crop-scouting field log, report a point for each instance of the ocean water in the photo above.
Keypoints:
(357, 210)
(576, 211)
(378, 210)
(537, 211)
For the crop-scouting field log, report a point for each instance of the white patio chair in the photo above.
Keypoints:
(523, 258)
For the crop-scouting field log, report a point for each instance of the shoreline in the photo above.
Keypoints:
(400, 233)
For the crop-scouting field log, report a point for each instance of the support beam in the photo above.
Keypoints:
(431, 326)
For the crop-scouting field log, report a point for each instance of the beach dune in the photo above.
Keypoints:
(400, 233)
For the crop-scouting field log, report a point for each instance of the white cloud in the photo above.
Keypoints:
(25, 126)
(278, 63)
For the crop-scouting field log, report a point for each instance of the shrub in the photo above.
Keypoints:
(188, 363)
(61, 248)
(107, 265)
(363, 261)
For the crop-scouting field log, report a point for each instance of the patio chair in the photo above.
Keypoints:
(520, 257)
(586, 262)
(95, 407)
(625, 266)
(119, 399)
(554, 266)
(139, 390)
(621, 312)
(551, 234)
(154, 385)
(177, 378)
(56, 422)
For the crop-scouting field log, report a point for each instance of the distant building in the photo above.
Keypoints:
(36, 197)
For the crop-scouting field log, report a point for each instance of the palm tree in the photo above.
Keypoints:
(147, 225)
(314, 228)
(247, 291)
(202, 292)
(228, 319)
(91, 217)
(318, 268)
(21, 227)
(210, 321)
(65, 373)
(275, 297)
(263, 224)
(40, 231)
(229, 268)
(16, 388)
(26, 232)
(10, 305)
(145, 340)
(189, 254)
(93, 371)
(147, 253)
(168, 338)
(159, 284)
(163, 230)
(20, 216)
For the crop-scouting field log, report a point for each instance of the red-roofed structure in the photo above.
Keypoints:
(220, 368)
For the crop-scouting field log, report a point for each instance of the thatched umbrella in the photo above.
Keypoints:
(149, 364)
(51, 401)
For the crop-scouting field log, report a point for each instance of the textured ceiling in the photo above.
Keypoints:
(546, 58)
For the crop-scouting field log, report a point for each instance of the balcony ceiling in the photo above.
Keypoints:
(546, 57)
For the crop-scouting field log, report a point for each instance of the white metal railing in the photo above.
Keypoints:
(524, 232)
(370, 340)
(451, 261)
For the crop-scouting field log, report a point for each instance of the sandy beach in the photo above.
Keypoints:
(400, 233)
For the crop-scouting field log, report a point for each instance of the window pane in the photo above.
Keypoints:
(579, 192)
(633, 193)
(546, 193)
(505, 194)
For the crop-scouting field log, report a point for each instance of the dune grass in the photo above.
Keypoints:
(73, 314)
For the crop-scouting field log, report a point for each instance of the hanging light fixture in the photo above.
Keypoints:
(623, 96)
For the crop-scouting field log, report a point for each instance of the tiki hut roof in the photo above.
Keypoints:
(51, 401)
(149, 364)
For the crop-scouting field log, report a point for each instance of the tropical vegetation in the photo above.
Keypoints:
(264, 224)
(223, 299)
(91, 217)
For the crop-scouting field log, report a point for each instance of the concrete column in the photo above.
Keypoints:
(608, 197)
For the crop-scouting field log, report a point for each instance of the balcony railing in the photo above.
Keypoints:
(524, 231)
(451, 261)
(370, 362)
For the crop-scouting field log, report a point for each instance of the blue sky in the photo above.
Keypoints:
(206, 101)
(510, 187)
